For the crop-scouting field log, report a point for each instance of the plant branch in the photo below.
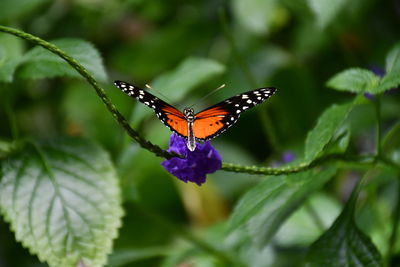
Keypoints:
(314, 216)
(368, 160)
(100, 92)
(379, 125)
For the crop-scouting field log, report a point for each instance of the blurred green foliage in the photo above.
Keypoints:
(185, 49)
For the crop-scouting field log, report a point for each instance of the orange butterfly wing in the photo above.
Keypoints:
(209, 123)
(216, 119)
(174, 120)
(176, 124)
(170, 116)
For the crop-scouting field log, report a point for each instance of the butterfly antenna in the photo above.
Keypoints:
(207, 95)
(158, 92)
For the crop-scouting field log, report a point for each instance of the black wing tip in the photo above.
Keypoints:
(118, 82)
(273, 89)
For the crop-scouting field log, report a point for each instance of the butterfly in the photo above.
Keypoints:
(205, 124)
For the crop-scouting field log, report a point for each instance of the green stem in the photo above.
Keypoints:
(314, 216)
(266, 124)
(379, 125)
(264, 116)
(224, 256)
(13, 123)
(395, 226)
(364, 160)
(100, 92)
(388, 162)
(390, 135)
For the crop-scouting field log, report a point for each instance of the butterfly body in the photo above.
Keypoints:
(191, 138)
(205, 124)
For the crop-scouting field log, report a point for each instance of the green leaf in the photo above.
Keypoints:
(5, 149)
(392, 77)
(343, 244)
(41, 63)
(63, 202)
(265, 208)
(264, 13)
(354, 80)
(192, 72)
(325, 10)
(392, 139)
(325, 129)
(301, 228)
(339, 141)
(10, 56)
(11, 9)
(393, 59)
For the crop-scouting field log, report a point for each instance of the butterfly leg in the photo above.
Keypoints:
(191, 140)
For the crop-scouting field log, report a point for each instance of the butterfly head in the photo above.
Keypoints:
(189, 114)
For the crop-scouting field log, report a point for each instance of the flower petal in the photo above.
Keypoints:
(204, 159)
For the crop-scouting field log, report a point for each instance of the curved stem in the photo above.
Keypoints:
(100, 92)
(230, 167)
(364, 160)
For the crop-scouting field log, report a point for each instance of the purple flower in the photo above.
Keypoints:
(378, 71)
(288, 156)
(194, 167)
(369, 96)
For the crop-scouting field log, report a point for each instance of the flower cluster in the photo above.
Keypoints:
(286, 157)
(194, 167)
